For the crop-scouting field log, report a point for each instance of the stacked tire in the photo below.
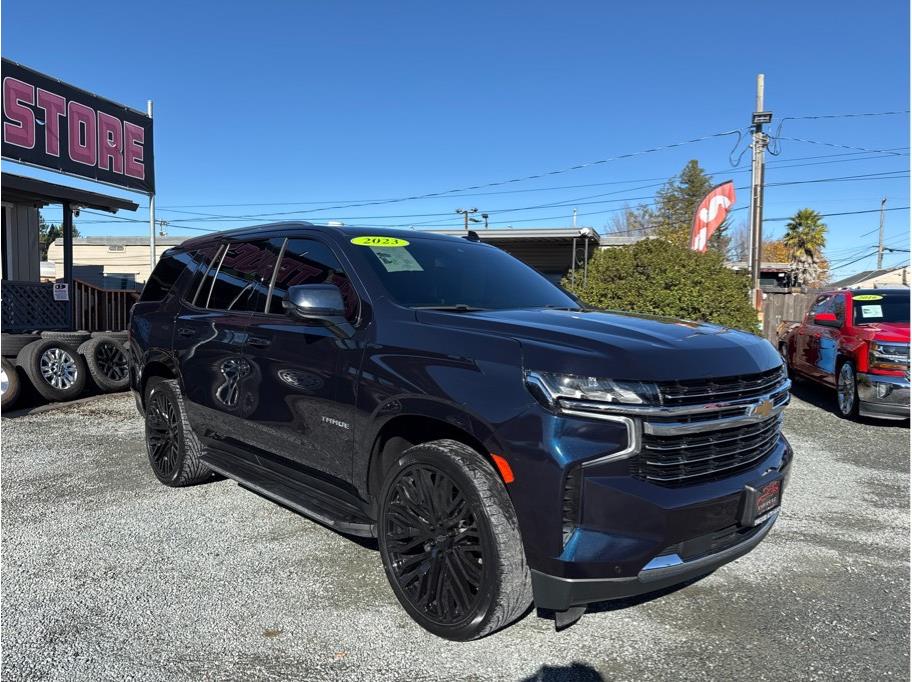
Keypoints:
(60, 365)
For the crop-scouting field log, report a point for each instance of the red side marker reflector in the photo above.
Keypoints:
(503, 466)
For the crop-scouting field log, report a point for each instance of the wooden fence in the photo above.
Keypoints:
(97, 309)
(784, 305)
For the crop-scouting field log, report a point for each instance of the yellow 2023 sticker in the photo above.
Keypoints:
(867, 297)
(379, 241)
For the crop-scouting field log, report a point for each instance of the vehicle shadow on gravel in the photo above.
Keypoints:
(825, 398)
(578, 672)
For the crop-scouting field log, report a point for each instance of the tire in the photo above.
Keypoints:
(119, 336)
(446, 550)
(11, 344)
(56, 370)
(9, 384)
(108, 363)
(74, 339)
(173, 449)
(847, 391)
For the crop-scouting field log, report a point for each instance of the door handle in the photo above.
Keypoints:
(258, 341)
(186, 331)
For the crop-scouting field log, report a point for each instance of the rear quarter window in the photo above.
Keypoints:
(165, 274)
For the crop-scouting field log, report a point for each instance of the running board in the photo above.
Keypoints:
(304, 499)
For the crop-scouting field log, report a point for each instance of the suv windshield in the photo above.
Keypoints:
(462, 276)
(884, 307)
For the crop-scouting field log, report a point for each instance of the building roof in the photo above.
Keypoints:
(863, 276)
(769, 266)
(122, 241)
(18, 188)
(539, 234)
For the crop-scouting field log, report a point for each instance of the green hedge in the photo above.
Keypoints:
(656, 277)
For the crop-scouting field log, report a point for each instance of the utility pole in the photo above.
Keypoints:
(758, 160)
(152, 259)
(880, 246)
(465, 212)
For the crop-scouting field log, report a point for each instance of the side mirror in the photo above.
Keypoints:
(318, 303)
(826, 320)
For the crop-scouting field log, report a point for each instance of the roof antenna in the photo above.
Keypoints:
(472, 236)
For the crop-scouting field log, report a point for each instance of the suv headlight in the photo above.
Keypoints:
(569, 390)
(885, 355)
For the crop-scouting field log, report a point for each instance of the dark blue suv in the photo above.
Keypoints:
(504, 444)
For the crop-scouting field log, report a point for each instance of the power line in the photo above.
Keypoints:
(827, 215)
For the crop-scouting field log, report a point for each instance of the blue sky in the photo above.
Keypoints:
(358, 100)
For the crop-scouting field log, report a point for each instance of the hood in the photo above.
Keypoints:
(618, 345)
(888, 331)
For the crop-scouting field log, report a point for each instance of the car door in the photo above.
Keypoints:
(809, 339)
(306, 395)
(828, 339)
(209, 335)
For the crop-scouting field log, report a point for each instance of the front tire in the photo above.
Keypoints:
(173, 449)
(847, 391)
(450, 542)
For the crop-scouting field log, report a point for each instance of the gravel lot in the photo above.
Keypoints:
(107, 574)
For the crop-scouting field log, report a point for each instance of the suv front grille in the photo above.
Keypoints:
(709, 429)
(689, 458)
(727, 388)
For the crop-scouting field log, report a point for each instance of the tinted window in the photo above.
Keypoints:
(838, 307)
(165, 274)
(821, 305)
(437, 272)
(237, 283)
(308, 261)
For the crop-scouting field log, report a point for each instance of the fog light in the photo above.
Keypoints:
(883, 390)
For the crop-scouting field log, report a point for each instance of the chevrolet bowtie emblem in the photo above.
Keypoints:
(764, 409)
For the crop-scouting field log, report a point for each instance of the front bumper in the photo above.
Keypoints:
(885, 397)
(561, 594)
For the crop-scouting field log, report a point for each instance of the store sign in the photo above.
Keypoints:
(51, 124)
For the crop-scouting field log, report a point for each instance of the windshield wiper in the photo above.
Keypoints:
(458, 308)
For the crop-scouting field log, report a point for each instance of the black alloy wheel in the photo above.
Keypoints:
(450, 543)
(163, 434)
(112, 361)
(434, 544)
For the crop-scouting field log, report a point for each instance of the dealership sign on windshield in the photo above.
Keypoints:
(53, 125)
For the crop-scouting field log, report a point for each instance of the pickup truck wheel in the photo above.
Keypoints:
(9, 384)
(450, 542)
(173, 449)
(847, 391)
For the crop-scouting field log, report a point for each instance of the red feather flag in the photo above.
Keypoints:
(711, 212)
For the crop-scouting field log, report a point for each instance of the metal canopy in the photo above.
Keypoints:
(20, 189)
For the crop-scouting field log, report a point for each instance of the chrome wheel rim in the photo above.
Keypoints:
(4, 382)
(111, 361)
(434, 544)
(846, 389)
(58, 368)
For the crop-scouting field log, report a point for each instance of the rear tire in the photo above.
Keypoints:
(56, 370)
(173, 449)
(107, 362)
(9, 384)
(450, 542)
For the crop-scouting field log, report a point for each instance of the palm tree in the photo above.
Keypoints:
(805, 237)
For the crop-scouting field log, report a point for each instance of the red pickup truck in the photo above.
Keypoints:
(857, 342)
